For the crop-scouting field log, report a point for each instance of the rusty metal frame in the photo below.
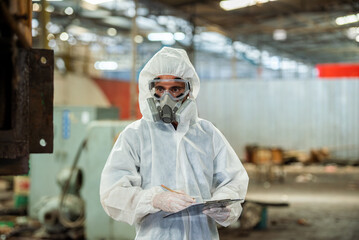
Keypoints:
(41, 101)
(14, 143)
(26, 90)
(31, 100)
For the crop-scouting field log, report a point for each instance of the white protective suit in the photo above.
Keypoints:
(195, 158)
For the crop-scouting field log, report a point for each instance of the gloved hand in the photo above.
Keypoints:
(172, 202)
(220, 214)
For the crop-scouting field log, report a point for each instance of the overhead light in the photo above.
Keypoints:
(142, 11)
(69, 11)
(50, 8)
(148, 24)
(214, 38)
(353, 32)
(138, 39)
(53, 28)
(179, 36)
(96, 2)
(131, 12)
(88, 6)
(64, 36)
(235, 4)
(162, 20)
(36, 7)
(118, 21)
(112, 32)
(106, 65)
(34, 23)
(52, 43)
(72, 41)
(274, 63)
(280, 34)
(253, 54)
(34, 32)
(76, 30)
(60, 64)
(87, 37)
(347, 19)
(50, 36)
(164, 36)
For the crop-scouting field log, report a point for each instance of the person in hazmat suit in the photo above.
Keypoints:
(170, 145)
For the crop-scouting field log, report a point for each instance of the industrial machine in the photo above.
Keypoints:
(26, 90)
(83, 139)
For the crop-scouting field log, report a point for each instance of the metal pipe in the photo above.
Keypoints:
(133, 92)
(44, 19)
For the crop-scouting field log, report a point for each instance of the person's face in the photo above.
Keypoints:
(174, 87)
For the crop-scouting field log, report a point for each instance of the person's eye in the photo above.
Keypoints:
(159, 89)
(176, 89)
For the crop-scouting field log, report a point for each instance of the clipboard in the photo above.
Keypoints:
(197, 208)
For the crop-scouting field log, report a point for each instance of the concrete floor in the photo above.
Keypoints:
(323, 204)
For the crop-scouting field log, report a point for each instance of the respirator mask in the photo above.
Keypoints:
(167, 100)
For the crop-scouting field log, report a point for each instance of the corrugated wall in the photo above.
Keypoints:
(290, 114)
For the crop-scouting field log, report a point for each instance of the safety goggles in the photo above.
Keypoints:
(173, 87)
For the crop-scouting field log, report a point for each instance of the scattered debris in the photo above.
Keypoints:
(305, 177)
(277, 156)
(5, 229)
(353, 186)
(264, 155)
(303, 222)
(331, 168)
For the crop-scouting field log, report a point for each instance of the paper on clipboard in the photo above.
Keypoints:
(197, 208)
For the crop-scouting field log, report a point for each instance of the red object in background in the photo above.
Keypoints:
(336, 70)
(118, 94)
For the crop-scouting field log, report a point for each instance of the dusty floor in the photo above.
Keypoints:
(323, 204)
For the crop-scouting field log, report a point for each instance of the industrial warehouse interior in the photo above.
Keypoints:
(278, 78)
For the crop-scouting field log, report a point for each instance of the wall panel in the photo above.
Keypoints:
(290, 114)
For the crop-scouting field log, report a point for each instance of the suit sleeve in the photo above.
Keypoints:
(230, 177)
(121, 194)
